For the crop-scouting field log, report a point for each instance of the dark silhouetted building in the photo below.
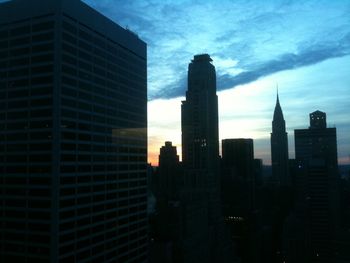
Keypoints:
(204, 226)
(237, 192)
(316, 192)
(238, 170)
(73, 135)
(166, 223)
(279, 147)
(258, 172)
(169, 171)
(199, 120)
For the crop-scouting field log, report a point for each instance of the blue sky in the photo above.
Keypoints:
(303, 46)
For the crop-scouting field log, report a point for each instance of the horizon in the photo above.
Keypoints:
(228, 100)
(304, 48)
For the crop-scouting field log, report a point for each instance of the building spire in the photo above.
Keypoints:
(278, 100)
(278, 110)
(279, 145)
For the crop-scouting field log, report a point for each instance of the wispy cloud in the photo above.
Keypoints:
(264, 38)
(253, 44)
(288, 61)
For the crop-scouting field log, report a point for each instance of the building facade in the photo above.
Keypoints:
(237, 168)
(317, 176)
(170, 176)
(73, 137)
(237, 195)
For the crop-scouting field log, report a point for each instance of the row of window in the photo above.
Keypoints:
(109, 48)
(18, 104)
(27, 71)
(31, 180)
(84, 180)
(111, 99)
(102, 250)
(106, 228)
(30, 225)
(37, 59)
(94, 70)
(26, 40)
(29, 114)
(100, 168)
(26, 29)
(38, 248)
(26, 213)
(101, 187)
(18, 158)
(101, 216)
(109, 87)
(20, 57)
(125, 84)
(95, 58)
(90, 157)
(68, 125)
(136, 67)
(109, 123)
(33, 125)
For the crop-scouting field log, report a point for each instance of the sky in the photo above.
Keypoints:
(301, 46)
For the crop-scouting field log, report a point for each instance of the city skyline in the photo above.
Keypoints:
(302, 47)
(138, 131)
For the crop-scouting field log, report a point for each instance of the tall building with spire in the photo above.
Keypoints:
(279, 146)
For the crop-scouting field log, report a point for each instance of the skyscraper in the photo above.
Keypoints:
(237, 192)
(316, 157)
(200, 156)
(73, 120)
(166, 223)
(169, 171)
(199, 119)
(238, 168)
(279, 147)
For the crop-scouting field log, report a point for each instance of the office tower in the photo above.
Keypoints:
(200, 157)
(199, 119)
(238, 170)
(169, 171)
(317, 142)
(316, 157)
(73, 135)
(166, 223)
(279, 147)
(237, 193)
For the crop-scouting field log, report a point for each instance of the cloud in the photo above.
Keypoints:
(264, 38)
(288, 61)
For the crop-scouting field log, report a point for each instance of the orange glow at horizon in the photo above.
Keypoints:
(152, 158)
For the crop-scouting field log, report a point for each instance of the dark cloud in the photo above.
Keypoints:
(252, 33)
(171, 91)
(308, 56)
